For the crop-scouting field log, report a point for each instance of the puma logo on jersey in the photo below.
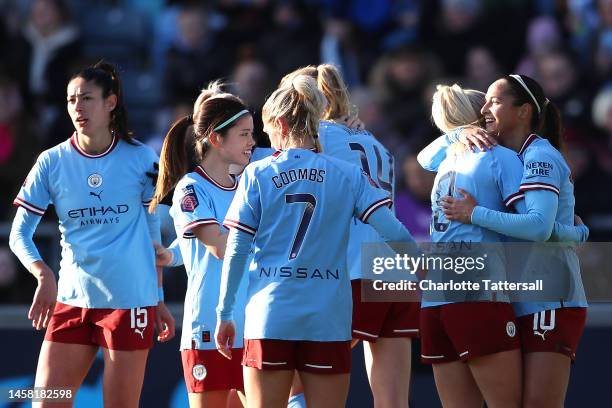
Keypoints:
(141, 332)
(99, 195)
(537, 333)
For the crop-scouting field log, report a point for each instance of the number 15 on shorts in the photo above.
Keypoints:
(138, 318)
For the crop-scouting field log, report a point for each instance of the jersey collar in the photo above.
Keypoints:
(527, 142)
(279, 152)
(75, 143)
(200, 170)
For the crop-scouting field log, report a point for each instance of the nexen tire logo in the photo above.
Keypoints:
(97, 211)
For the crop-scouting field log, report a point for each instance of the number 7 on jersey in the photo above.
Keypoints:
(311, 203)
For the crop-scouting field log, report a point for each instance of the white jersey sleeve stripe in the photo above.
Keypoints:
(238, 225)
(539, 186)
(373, 207)
(30, 207)
(513, 198)
(187, 228)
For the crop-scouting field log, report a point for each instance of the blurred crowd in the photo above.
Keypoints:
(392, 53)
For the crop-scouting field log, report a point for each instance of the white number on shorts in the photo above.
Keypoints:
(138, 318)
(539, 320)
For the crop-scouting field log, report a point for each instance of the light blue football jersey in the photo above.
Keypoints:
(199, 200)
(261, 153)
(101, 202)
(299, 206)
(546, 169)
(493, 178)
(360, 148)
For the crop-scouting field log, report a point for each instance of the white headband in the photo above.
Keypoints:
(524, 85)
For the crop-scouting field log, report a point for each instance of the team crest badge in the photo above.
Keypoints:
(510, 329)
(94, 180)
(189, 202)
(199, 372)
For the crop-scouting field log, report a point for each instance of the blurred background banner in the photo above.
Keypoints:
(392, 53)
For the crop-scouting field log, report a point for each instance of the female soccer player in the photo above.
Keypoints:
(97, 181)
(515, 109)
(530, 124)
(296, 207)
(222, 136)
(386, 327)
(479, 331)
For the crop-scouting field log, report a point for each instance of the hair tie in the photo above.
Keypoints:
(190, 118)
(524, 85)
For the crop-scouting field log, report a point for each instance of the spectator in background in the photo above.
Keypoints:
(292, 41)
(455, 30)
(405, 18)
(543, 36)
(602, 113)
(18, 142)
(592, 200)
(251, 82)
(370, 112)
(398, 81)
(581, 22)
(339, 48)
(10, 23)
(43, 55)
(602, 118)
(561, 82)
(603, 55)
(481, 68)
(603, 44)
(589, 23)
(196, 57)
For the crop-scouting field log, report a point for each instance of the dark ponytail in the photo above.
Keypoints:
(175, 159)
(551, 126)
(546, 121)
(187, 141)
(106, 77)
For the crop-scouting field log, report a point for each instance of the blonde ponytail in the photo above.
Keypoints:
(330, 82)
(301, 104)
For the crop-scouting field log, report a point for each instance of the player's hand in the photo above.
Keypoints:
(456, 209)
(164, 323)
(224, 337)
(163, 256)
(352, 122)
(45, 295)
(473, 137)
